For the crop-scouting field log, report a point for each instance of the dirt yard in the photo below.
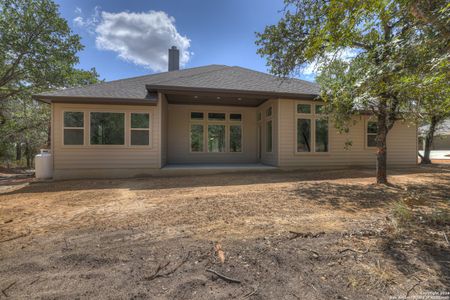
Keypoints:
(282, 235)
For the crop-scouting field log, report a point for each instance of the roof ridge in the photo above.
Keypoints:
(271, 75)
(198, 74)
(133, 78)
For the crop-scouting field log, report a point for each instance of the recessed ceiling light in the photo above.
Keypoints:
(218, 98)
(195, 97)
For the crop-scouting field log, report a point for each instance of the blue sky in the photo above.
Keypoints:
(129, 38)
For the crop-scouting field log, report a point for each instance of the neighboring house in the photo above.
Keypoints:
(441, 140)
(214, 114)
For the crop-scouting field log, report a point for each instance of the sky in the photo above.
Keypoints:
(130, 38)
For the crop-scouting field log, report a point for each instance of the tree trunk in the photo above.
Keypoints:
(18, 152)
(382, 148)
(429, 141)
(28, 154)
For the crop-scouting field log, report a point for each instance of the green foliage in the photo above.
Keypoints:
(38, 49)
(37, 53)
(380, 35)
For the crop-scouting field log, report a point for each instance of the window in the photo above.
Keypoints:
(235, 117)
(196, 116)
(140, 129)
(258, 116)
(235, 138)
(303, 108)
(321, 135)
(269, 136)
(197, 138)
(216, 116)
(216, 138)
(303, 135)
(269, 112)
(319, 109)
(107, 128)
(372, 130)
(73, 128)
(312, 129)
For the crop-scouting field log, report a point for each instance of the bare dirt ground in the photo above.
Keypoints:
(283, 235)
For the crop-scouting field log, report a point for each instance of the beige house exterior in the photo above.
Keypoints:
(188, 125)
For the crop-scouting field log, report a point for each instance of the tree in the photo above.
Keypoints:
(37, 53)
(427, 76)
(37, 47)
(373, 31)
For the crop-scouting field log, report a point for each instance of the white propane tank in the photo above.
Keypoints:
(43, 163)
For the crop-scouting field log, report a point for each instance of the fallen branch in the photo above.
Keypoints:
(250, 293)
(16, 237)
(412, 288)
(226, 278)
(352, 250)
(316, 255)
(445, 236)
(157, 274)
(8, 287)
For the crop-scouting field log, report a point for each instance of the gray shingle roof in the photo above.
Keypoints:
(207, 77)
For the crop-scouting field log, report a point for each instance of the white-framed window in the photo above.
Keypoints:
(107, 128)
(139, 129)
(371, 134)
(269, 130)
(73, 128)
(311, 128)
(215, 132)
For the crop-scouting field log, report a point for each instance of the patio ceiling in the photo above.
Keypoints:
(201, 98)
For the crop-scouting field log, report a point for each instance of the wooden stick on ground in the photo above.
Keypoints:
(157, 274)
(352, 250)
(445, 236)
(15, 237)
(226, 278)
(6, 288)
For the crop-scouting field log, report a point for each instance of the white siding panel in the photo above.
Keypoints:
(103, 156)
(401, 144)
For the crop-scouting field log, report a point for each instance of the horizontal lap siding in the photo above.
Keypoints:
(104, 157)
(401, 144)
(179, 135)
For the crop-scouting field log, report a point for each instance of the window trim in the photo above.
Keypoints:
(313, 116)
(366, 134)
(268, 119)
(64, 128)
(130, 129)
(227, 123)
(87, 128)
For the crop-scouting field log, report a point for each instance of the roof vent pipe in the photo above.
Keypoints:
(174, 59)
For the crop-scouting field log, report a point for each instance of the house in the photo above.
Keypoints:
(441, 140)
(212, 116)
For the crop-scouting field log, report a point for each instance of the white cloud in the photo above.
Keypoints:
(141, 38)
(88, 23)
